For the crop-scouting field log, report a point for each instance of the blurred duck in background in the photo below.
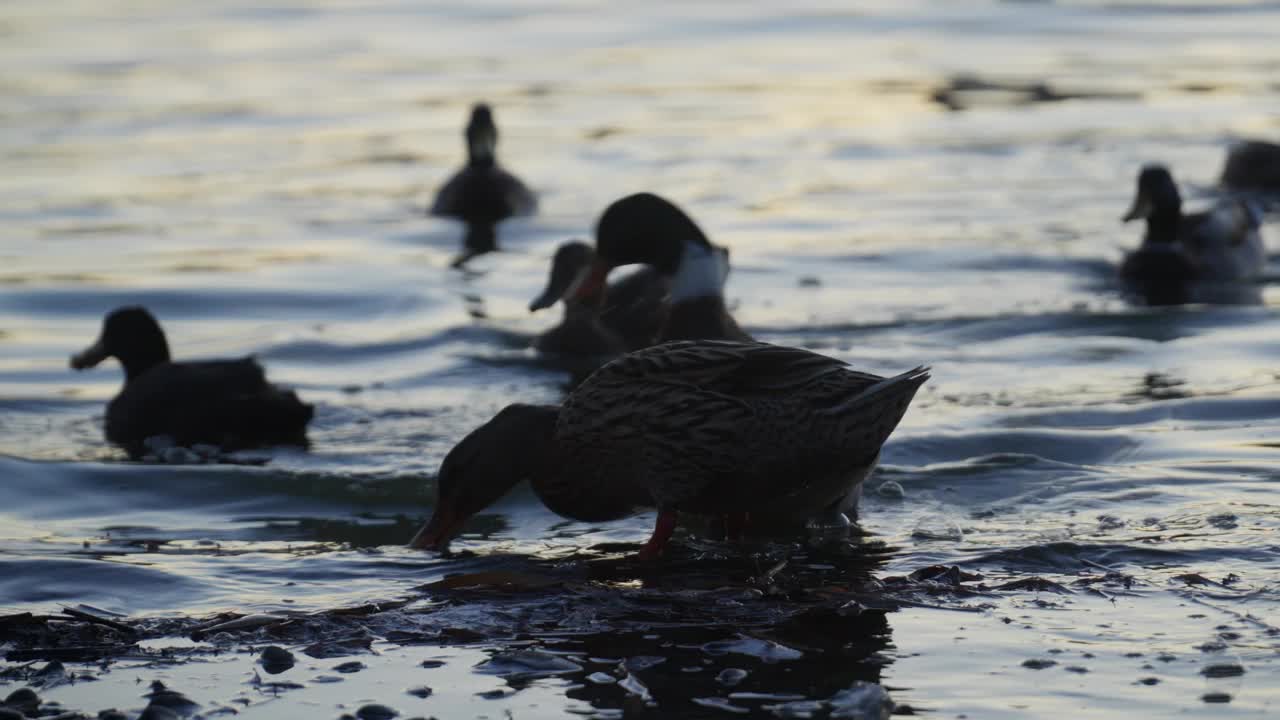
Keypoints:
(1252, 165)
(223, 403)
(596, 327)
(1209, 256)
(649, 230)
(482, 194)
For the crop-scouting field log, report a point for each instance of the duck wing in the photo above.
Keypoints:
(1224, 242)
(712, 426)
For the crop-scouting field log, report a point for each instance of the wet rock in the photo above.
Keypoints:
(764, 650)
(1079, 670)
(163, 697)
(159, 712)
(374, 711)
(527, 664)
(276, 660)
(640, 663)
(730, 677)
(51, 675)
(10, 714)
(431, 663)
(354, 646)
(493, 694)
(1149, 680)
(1216, 698)
(862, 701)
(422, 692)
(24, 700)
(1222, 670)
(1038, 663)
(346, 668)
(602, 678)
(112, 715)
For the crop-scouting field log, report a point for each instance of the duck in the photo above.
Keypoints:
(705, 427)
(626, 316)
(1183, 257)
(227, 403)
(645, 228)
(1252, 165)
(482, 194)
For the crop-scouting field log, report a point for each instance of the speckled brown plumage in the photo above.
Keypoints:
(703, 427)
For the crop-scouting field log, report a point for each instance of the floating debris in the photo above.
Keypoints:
(527, 664)
(720, 704)
(765, 650)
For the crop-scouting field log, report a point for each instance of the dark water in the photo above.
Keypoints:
(257, 175)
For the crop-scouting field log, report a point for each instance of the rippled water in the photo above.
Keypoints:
(257, 176)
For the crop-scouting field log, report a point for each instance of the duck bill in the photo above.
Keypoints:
(1141, 208)
(90, 356)
(592, 282)
(444, 525)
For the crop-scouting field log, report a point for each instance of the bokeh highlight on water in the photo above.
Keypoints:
(257, 176)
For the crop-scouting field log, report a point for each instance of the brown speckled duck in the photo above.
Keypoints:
(703, 427)
(647, 229)
(482, 194)
(626, 316)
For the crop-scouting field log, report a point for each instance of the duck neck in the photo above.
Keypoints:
(701, 273)
(1162, 227)
(137, 359)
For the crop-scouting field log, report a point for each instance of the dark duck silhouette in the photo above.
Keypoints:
(647, 229)
(704, 427)
(482, 194)
(1207, 256)
(626, 316)
(1252, 165)
(227, 403)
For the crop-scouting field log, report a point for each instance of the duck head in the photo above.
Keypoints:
(482, 135)
(1157, 201)
(130, 335)
(648, 229)
(570, 266)
(488, 462)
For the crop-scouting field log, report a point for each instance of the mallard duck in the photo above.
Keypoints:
(626, 316)
(228, 403)
(1252, 165)
(704, 427)
(1182, 252)
(482, 194)
(644, 228)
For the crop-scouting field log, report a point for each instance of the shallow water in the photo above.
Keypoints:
(257, 177)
